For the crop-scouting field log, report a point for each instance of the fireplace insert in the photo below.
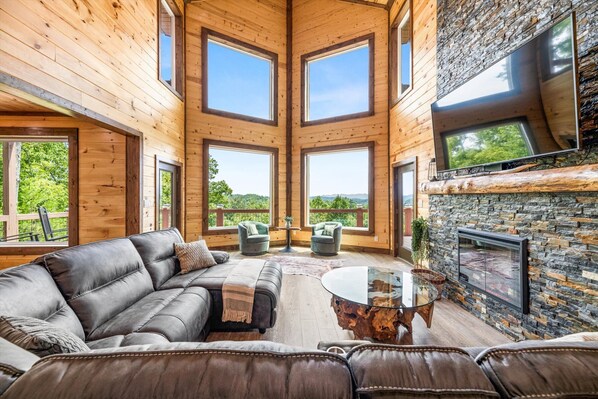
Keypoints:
(495, 264)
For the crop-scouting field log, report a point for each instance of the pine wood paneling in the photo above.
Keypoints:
(410, 119)
(262, 24)
(318, 24)
(102, 179)
(100, 55)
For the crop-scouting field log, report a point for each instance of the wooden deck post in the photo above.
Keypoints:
(219, 216)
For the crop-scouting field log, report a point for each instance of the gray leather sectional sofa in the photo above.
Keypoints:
(129, 291)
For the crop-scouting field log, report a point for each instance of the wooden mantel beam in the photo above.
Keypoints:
(569, 179)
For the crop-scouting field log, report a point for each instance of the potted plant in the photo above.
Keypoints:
(420, 252)
(288, 220)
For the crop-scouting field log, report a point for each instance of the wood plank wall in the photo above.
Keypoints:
(262, 24)
(318, 24)
(411, 118)
(102, 179)
(101, 55)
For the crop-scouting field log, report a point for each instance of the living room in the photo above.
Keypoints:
(415, 173)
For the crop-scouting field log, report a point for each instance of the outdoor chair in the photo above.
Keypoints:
(326, 238)
(49, 233)
(254, 238)
(22, 236)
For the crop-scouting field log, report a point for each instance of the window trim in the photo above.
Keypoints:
(72, 136)
(239, 45)
(393, 58)
(177, 195)
(205, 186)
(331, 50)
(369, 145)
(178, 58)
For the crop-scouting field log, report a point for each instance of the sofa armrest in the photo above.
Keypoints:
(14, 362)
(242, 233)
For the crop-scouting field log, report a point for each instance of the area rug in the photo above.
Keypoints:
(313, 267)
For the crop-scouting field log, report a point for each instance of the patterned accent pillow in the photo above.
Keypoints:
(328, 230)
(193, 256)
(220, 256)
(39, 337)
(251, 229)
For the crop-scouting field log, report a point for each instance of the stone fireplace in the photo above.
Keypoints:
(561, 227)
(496, 265)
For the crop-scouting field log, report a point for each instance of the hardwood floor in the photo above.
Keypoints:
(306, 318)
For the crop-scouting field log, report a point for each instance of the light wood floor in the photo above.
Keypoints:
(306, 318)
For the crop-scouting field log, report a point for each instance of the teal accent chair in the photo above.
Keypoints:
(256, 244)
(324, 244)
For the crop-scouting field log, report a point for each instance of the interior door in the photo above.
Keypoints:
(405, 201)
(168, 188)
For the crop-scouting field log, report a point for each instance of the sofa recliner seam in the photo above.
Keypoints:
(385, 387)
(138, 270)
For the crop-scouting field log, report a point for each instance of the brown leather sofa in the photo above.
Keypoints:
(129, 291)
(261, 369)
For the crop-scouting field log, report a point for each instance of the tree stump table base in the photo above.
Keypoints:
(387, 325)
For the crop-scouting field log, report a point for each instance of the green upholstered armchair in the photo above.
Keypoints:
(324, 244)
(254, 244)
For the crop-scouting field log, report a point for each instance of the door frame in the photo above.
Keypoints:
(397, 215)
(177, 168)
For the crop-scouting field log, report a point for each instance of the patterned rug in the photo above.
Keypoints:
(313, 267)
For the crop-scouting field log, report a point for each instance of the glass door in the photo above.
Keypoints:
(167, 195)
(404, 207)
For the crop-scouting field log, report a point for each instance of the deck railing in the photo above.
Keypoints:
(221, 211)
(12, 229)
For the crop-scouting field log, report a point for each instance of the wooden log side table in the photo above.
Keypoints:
(379, 304)
(288, 248)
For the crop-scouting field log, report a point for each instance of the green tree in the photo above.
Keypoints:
(219, 191)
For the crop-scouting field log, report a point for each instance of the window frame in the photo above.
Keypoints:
(393, 53)
(72, 136)
(330, 51)
(176, 169)
(369, 145)
(273, 151)
(239, 45)
(178, 60)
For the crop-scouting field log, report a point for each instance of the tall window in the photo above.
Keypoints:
(338, 186)
(170, 46)
(401, 58)
(37, 190)
(240, 80)
(337, 82)
(241, 185)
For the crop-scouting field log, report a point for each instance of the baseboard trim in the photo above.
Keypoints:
(307, 244)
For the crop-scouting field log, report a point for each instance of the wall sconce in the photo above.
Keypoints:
(432, 170)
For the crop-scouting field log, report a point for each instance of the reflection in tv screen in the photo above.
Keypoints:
(522, 106)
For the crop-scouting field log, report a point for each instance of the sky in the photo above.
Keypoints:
(339, 85)
(165, 57)
(341, 172)
(245, 172)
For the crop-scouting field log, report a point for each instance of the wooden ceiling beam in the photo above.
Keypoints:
(367, 3)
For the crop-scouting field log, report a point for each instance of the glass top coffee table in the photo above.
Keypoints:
(379, 303)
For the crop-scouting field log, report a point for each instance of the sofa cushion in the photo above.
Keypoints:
(190, 370)
(156, 249)
(220, 256)
(29, 290)
(543, 369)
(99, 280)
(251, 229)
(267, 291)
(323, 239)
(258, 238)
(193, 256)
(177, 314)
(391, 371)
(116, 341)
(39, 337)
(328, 230)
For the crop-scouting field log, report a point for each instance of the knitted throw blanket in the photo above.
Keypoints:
(238, 291)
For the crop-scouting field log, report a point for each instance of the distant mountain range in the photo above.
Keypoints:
(358, 198)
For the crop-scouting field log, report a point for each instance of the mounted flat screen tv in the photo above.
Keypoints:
(523, 106)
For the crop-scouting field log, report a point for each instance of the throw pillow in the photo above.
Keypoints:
(193, 256)
(220, 256)
(328, 230)
(39, 337)
(251, 229)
